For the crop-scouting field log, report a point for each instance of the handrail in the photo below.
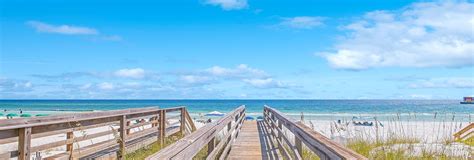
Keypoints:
(317, 143)
(128, 127)
(458, 135)
(39, 121)
(189, 146)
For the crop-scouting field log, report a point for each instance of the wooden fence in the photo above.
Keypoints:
(186, 148)
(292, 148)
(123, 131)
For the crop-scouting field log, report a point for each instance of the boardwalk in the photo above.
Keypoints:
(253, 143)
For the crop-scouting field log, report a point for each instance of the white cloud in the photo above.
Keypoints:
(85, 86)
(420, 96)
(302, 22)
(434, 34)
(213, 82)
(136, 73)
(11, 85)
(199, 80)
(106, 86)
(62, 29)
(241, 71)
(229, 4)
(266, 83)
(454, 82)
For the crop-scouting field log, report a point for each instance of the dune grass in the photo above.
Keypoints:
(396, 139)
(144, 152)
(309, 155)
(382, 151)
(366, 148)
(469, 141)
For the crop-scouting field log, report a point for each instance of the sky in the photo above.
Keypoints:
(236, 49)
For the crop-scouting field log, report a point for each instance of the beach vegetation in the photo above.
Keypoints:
(309, 155)
(469, 141)
(404, 137)
(146, 151)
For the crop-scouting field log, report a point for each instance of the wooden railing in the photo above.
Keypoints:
(314, 141)
(465, 132)
(119, 131)
(189, 146)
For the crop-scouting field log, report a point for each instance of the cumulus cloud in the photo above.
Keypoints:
(241, 71)
(266, 83)
(217, 74)
(302, 22)
(136, 83)
(420, 96)
(106, 86)
(256, 78)
(11, 85)
(136, 73)
(228, 4)
(71, 30)
(196, 80)
(62, 29)
(456, 82)
(431, 34)
(65, 76)
(128, 73)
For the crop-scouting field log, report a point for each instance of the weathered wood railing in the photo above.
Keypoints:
(465, 132)
(189, 146)
(118, 131)
(315, 142)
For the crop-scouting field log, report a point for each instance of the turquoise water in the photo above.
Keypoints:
(323, 109)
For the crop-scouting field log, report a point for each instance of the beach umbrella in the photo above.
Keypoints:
(215, 113)
(12, 115)
(249, 118)
(25, 115)
(41, 115)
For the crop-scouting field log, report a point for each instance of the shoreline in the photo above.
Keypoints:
(334, 116)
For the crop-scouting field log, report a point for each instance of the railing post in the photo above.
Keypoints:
(128, 124)
(123, 136)
(69, 147)
(162, 127)
(211, 145)
(299, 146)
(281, 129)
(24, 143)
(182, 128)
(153, 124)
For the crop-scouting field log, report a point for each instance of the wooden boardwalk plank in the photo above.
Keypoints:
(253, 143)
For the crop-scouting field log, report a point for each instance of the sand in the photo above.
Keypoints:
(430, 132)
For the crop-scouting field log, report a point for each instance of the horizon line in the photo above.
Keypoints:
(217, 99)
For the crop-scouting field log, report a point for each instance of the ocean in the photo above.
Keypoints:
(312, 109)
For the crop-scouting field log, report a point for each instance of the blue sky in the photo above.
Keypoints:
(232, 49)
